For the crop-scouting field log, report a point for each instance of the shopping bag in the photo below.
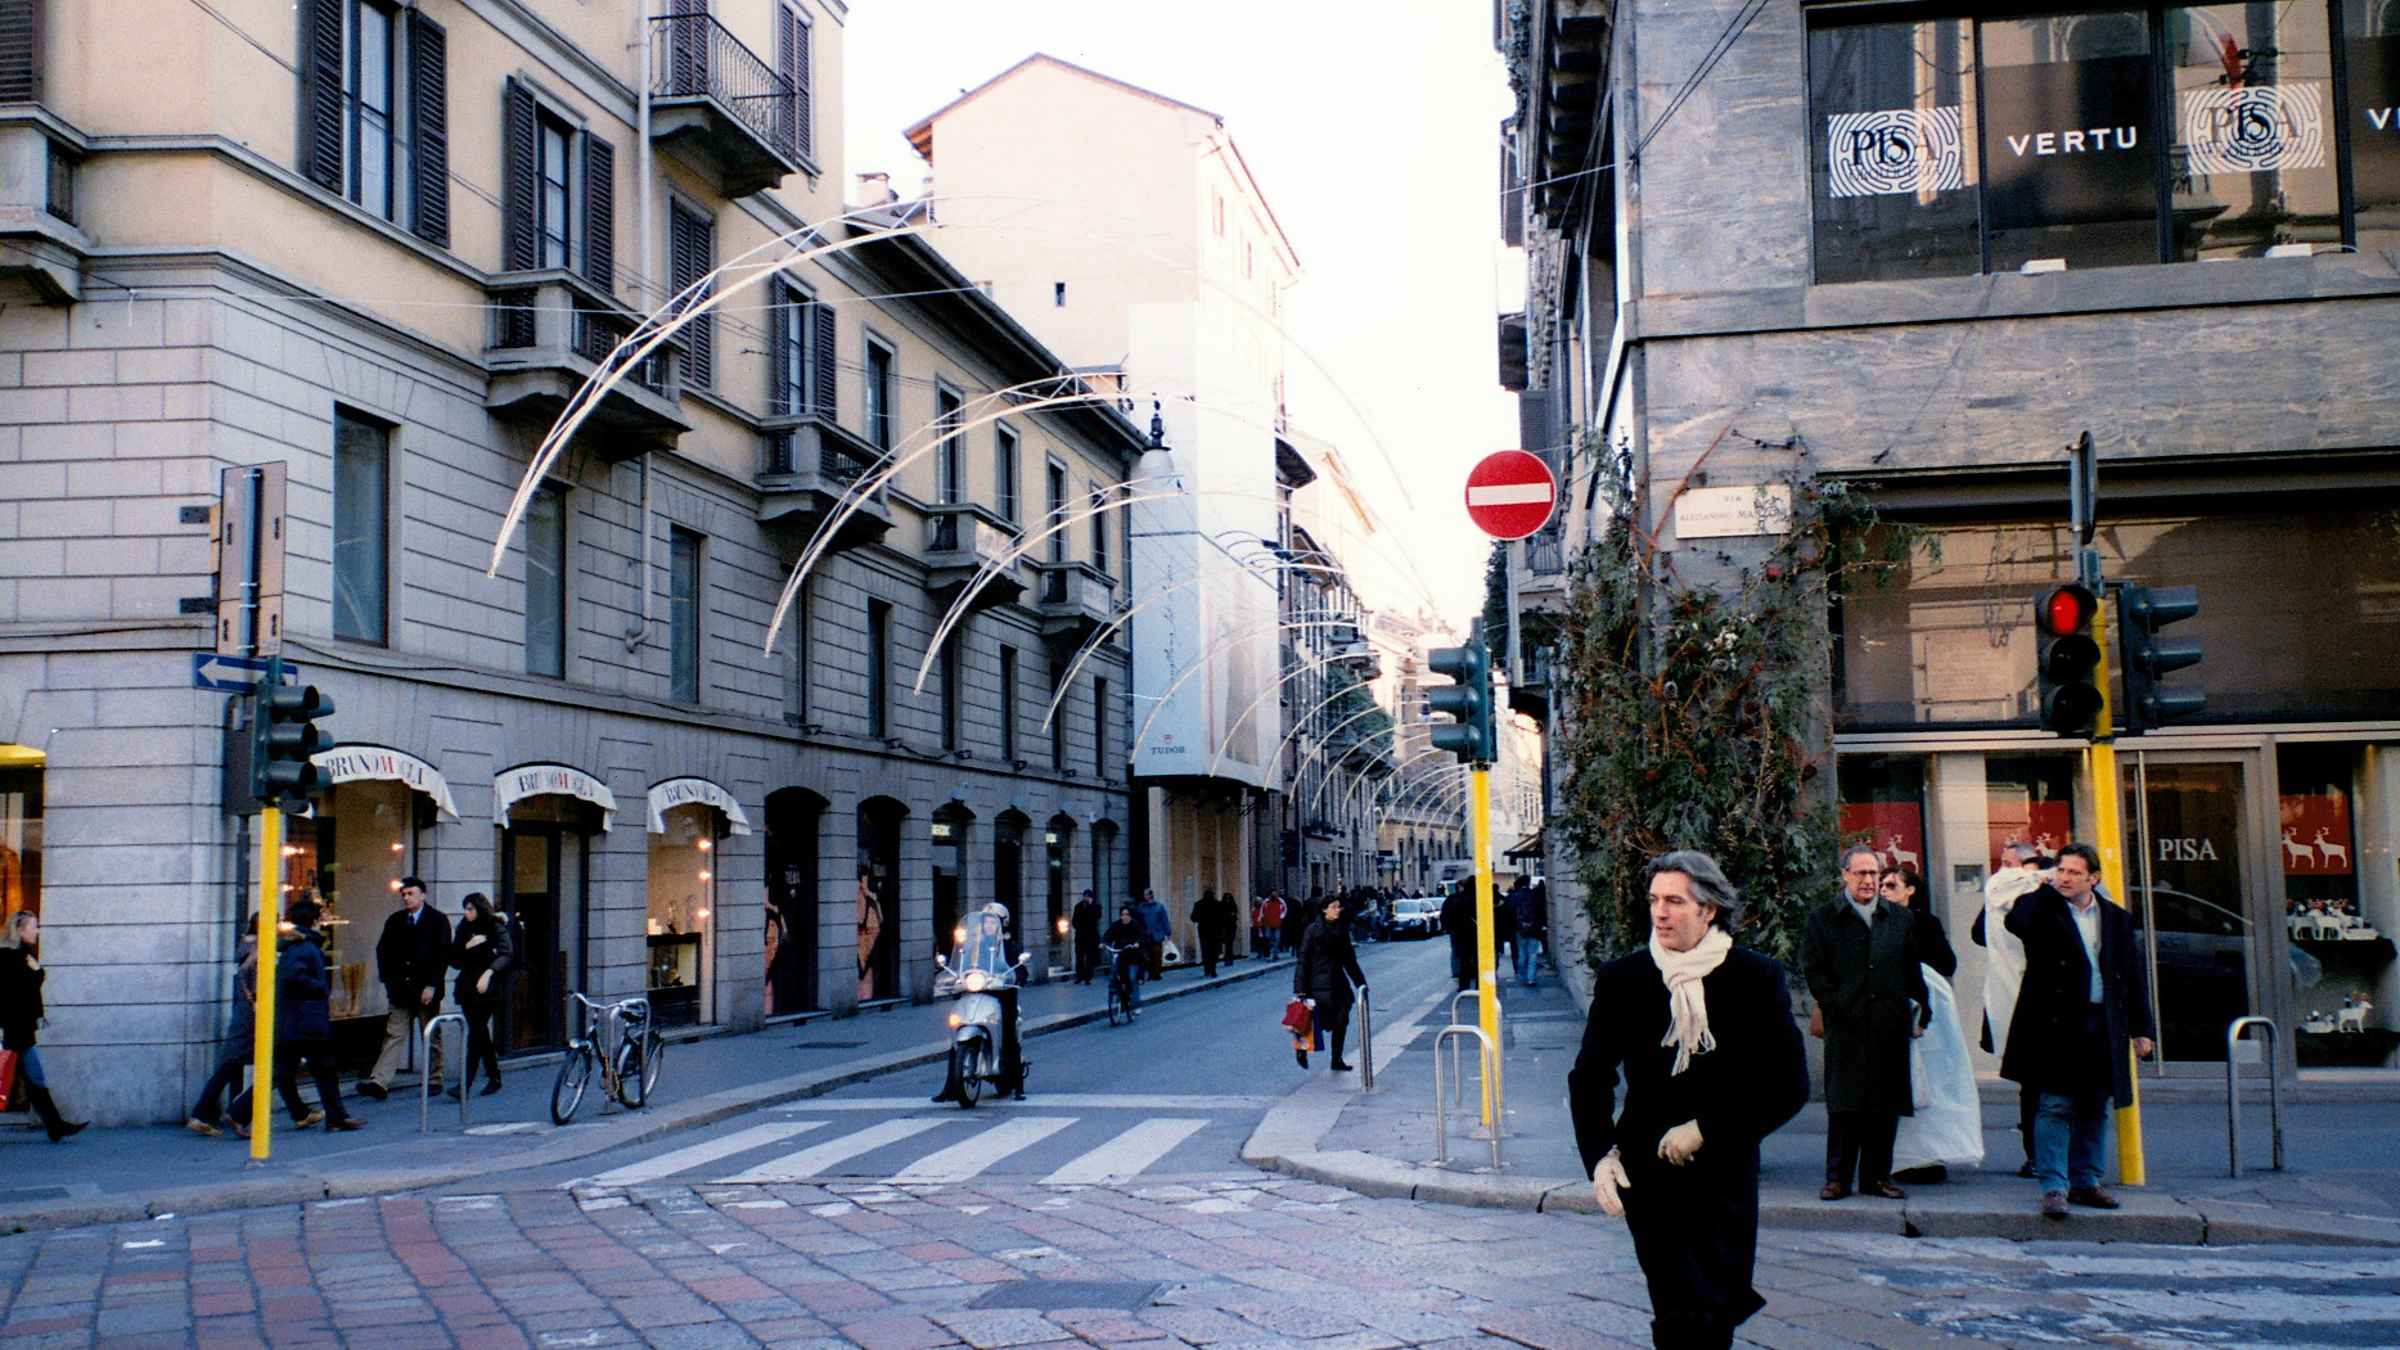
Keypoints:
(1297, 1019)
(1947, 1127)
(8, 1079)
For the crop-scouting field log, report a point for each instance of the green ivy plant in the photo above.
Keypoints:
(1694, 712)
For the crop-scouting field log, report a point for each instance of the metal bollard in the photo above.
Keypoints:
(458, 1051)
(1441, 1118)
(2233, 1093)
(1366, 1041)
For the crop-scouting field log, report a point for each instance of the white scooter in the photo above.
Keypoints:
(982, 970)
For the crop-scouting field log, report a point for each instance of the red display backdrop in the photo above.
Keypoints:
(1895, 830)
(2048, 826)
(2316, 835)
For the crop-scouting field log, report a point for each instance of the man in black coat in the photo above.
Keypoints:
(1086, 923)
(2084, 1002)
(1712, 1061)
(1860, 957)
(412, 958)
(1458, 920)
(304, 1021)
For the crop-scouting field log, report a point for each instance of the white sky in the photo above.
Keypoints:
(1373, 131)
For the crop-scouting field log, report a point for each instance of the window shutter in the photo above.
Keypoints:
(518, 247)
(779, 353)
(429, 125)
(599, 213)
(693, 243)
(21, 51)
(824, 339)
(792, 62)
(321, 136)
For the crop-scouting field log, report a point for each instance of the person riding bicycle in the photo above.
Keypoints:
(985, 948)
(1123, 943)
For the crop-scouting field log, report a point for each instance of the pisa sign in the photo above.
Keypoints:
(1510, 494)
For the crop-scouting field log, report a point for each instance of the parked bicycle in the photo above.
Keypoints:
(623, 1046)
(1123, 999)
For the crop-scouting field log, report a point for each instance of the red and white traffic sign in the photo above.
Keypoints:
(1510, 494)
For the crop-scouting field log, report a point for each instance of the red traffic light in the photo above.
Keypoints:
(2067, 609)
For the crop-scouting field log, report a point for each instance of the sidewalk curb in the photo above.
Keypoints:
(274, 1187)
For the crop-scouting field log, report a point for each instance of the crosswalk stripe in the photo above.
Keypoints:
(809, 1162)
(1124, 1157)
(682, 1159)
(970, 1157)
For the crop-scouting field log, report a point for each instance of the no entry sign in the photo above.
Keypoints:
(1510, 494)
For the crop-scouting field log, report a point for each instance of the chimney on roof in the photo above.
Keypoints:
(875, 189)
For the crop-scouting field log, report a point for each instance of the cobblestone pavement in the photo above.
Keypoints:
(1215, 1263)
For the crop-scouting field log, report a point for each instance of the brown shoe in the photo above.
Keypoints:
(2092, 1197)
(1887, 1191)
(312, 1118)
(1834, 1190)
(202, 1128)
(2054, 1204)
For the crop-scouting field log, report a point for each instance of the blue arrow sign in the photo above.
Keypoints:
(232, 674)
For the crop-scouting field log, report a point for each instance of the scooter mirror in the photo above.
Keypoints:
(937, 959)
(1022, 957)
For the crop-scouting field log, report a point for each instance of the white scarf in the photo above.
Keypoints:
(1687, 1027)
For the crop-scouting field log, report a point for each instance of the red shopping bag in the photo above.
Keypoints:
(1298, 1019)
(8, 1079)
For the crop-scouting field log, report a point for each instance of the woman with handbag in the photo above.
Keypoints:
(483, 954)
(21, 977)
(1324, 976)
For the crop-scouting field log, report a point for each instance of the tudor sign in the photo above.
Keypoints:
(1510, 494)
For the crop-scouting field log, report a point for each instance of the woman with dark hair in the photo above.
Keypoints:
(483, 954)
(1703, 1031)
(1903, 886)
(21, 979)
(1325, 974)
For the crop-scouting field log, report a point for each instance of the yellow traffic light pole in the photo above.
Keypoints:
(1487, 1001)
(270, 910)
(2111, 810)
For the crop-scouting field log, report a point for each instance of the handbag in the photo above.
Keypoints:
(1297, 1018)
(8, 1079)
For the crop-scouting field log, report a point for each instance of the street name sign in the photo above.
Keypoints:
(1510, 494)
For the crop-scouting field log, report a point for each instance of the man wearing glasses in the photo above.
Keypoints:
(1859, 956)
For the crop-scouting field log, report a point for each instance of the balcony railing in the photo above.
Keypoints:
(961, 542)
(699, 66)
(1546, 554)
(551, 331)
(808, 465)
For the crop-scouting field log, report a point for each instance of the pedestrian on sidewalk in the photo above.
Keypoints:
(304, 1021)
(1212, 925)
(411, 959)
(484, 957)
(1324, 975)
(1270, 925)
(1458, 920)
(1157, 927)
(1531, 906)
(2083, 1004)
(2004, 970)
(1712, 1061)
(1948, 1128)
(22, 1016)
(1860, 957)
(241, 1046)
(1297, 916)
(1086, 923)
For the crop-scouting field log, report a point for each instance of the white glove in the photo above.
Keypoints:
(1679, 1144)
(1607, 1180)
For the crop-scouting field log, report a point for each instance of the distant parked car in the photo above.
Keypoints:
(1416, 916)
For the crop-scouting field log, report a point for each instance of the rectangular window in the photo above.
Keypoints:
(58, 196)
(794, 122)
(792, 353)
(1058, 718)
(2371, 48)
(1055, 507)
(950, 472)
(1005, 453)
(21, 835)
(2069, 139)
(374, 114)
(1099, 529)
(683, 615)
(377, 153)
(554, 211)
(879, 670)
(1894, 122)
(879, 395)
(953, 681)
(1100, 729)
(692, 245)
(1008, 704)
(361, 529)
(2250, 166)
(546, 584)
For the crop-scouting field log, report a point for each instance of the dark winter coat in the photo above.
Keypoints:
(1865, 984)
(1695, 1227)
(1458, 920)
(1933, 944)
(21, 980)
(1532, 909)
(1327, 969)
(1087, 923)
(2047, 1047)
(411, 958)
(303, 988)
(495, 954)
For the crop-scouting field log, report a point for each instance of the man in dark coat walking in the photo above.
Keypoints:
(412, 959)
(2083, 1004)
(1860, 958)
(304, 1021)
(1458, 920)
(1712, 1061)
(1086, 922)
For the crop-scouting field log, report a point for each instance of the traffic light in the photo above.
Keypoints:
(2141, 612)
(285, 738)
(2069, 659)
(1468, 700)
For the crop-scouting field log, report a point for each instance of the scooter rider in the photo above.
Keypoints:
(986, 949)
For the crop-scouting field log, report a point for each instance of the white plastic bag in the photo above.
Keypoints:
(1948, 1125)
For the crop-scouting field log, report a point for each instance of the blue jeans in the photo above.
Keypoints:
(1529, 960)
(29, 1063)
(2070, 1137)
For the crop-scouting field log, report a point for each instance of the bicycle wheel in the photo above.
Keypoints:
(1116, 1005)
(574, 1075)
(654, 1052)
(630, 1084)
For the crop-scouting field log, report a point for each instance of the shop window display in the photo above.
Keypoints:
(1883, 807)
(20, 832)
(349, 855)
(683, 885)
(2339, 923)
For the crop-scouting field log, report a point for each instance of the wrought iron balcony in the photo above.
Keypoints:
(1075, 600)
(808, 467)
(1541, 573)
(1357, 657)
(1536, 669)
(961, 540)
(716, 101)
(551, 332)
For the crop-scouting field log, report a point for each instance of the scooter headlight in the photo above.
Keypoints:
(976, 980)
(954, 1020)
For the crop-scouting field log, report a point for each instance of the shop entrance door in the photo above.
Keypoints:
(2190, 862)
(531, 1019)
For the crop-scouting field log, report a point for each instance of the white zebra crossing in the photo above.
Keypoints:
(706, 1151)
(1121, 1157)
(814, 1161)
(1127, 1155)
(971, 1157)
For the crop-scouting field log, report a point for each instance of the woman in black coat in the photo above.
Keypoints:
(1904, 886)
(480, 948)
(21, 979)
(1324, 974)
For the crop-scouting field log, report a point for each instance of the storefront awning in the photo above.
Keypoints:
(676, 792)
(511, 786)
(1528, 847)
(379, 763)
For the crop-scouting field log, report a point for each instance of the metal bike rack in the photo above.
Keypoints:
(1366, 1041)
(1441, 1117)
(458, 1053)
(2233, 1092)
(1475, 994)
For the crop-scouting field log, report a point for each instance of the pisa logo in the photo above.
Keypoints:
(2254, 130)
(1898, 150)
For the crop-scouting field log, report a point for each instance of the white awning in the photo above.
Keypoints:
(511, 786)
(676, 792)
(366, 763)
